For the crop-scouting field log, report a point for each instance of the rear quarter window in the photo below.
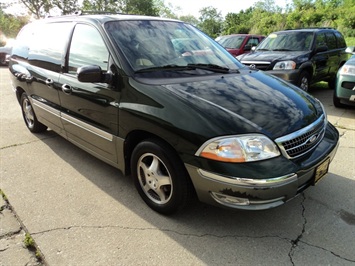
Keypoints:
(23, 41)
(340, 40)
(48, 45)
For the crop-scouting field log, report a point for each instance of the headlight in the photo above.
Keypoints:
(347, 70)
(285, 65)
(239, 149)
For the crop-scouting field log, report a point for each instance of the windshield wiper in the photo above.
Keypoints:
(212, 67)
(165, 68)
(282, 50)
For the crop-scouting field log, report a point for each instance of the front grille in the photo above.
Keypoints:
(302, 141)
(257, 65)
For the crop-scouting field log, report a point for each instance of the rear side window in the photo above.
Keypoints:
(253, 41)
(320, 40)
(87, 48)
(331, 41)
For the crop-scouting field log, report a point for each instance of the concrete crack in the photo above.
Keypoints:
(163, 230)
(299, 237)
(324, 249)
(25, 143)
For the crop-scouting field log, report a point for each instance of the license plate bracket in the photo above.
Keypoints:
(321, 171)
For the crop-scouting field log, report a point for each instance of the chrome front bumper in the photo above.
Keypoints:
(244, 193)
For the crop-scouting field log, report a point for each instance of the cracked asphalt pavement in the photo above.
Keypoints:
(81, 211)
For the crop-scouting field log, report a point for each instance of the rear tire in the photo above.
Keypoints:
(29, 115)
(160, 177)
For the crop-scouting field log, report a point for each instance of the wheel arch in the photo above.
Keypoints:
(309, 69)
(133, 139)
(19, 91)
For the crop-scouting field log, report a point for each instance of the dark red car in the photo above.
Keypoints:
(238, 44)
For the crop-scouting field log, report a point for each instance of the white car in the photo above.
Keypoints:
(5, 52)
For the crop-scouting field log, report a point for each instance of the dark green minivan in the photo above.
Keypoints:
(166, 104)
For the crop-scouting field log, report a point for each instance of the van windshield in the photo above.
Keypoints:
(287, 41)
(156, 45)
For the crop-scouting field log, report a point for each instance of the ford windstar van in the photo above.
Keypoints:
(167, 105)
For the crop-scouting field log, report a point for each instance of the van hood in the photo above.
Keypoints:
(270, 56)
(246, 103)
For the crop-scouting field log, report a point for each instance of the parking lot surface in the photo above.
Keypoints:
(81, 211)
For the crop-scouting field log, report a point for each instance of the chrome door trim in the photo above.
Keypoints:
(87, 127)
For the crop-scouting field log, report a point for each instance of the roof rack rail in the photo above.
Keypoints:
(312, 28)
(92, 12)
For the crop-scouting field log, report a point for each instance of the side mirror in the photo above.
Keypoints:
(350, 50)
(90, 74)
(322, 48)
(247, 47)
(253, 48)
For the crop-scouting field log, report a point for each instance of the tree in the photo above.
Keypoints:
(238, 23)
(66, 6)
(210, 21)
(39, 8)
(189, 19)
(140, 7)
(102, 6)
(9, 26)
(166, 11)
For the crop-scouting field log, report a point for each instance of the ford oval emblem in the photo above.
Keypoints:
(312, 139)
(252, 66)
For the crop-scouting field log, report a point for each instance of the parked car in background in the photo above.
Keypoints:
(238, 44)
(133, 91)
(5, 51)
(302, 56)
(344, 93)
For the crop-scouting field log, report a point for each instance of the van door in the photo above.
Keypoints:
(45, 58)
(320, 59)
(90, 110)
(333, 54)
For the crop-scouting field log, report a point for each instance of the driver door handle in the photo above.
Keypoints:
(67, 89)
(49, 82)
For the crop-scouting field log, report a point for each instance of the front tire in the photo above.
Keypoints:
(160, 177)
(304, 81)
(29, 115)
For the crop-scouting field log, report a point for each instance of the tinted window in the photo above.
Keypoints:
(157, 45)
(87, 48)
(23, 41)
(331, 41)
(340, 40)
(288, 41)
(48, 45)
(253, 41)
(320, 40)
(233, 42)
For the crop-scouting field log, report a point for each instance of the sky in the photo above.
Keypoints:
(192, 7)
